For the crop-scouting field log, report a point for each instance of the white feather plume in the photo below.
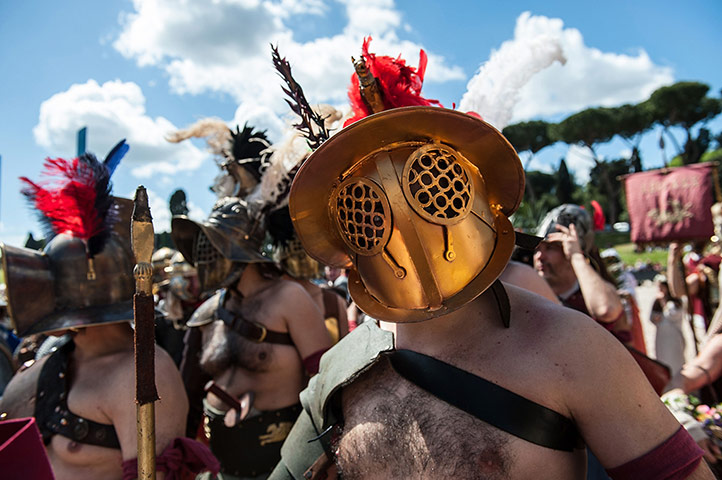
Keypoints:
(494, 90)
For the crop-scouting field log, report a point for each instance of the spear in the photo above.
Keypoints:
(143, 311)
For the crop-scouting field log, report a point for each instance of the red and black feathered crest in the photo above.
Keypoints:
(400, 84)
(74, 197)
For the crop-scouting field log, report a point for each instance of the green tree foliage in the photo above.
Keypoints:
(528, 136)
(565, 185)
(609, 200)
(630, 123)
(532, 137)
(684, 105)
(541, 196)
(589, 128)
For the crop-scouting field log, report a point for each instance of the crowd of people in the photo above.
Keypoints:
(361, 310)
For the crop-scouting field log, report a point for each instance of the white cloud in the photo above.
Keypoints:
(223, 46)
(580, 161)
(590, 77)
(535, 163)
(112, 111)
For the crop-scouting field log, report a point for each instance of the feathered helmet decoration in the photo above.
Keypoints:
(383, 82)
(239, 154)
(74, 197)
(83, 276)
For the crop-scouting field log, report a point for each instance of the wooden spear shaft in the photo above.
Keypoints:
(143, 309)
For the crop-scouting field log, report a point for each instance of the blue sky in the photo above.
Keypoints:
(139, 69)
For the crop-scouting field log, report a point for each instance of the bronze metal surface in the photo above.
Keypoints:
(437, 186)
(29, 286)
(145, 425)
(480, 143)
(368, 86)
(491, 271)
(393, 196)
(294, 260)
(230, 229)
(363, 215)
(51, 290)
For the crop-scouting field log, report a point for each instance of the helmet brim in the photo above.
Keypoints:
(476, 140)
(184, 230)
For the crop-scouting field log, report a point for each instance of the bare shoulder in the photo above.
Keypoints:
(123, 366)
(291, 289)
(526, 277)
(293, 300)
(564, 335)
(534, 315)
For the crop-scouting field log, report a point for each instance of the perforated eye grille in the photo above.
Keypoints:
(437, 185)
(203, 251)
(363, 216)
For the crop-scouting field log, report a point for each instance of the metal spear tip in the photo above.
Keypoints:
(141, 210)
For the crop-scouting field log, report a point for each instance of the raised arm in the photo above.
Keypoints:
(702, 370)
(675, 274)
(601, 297)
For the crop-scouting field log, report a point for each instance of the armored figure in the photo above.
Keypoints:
(81, 284)
(256, 340)
(465, 377)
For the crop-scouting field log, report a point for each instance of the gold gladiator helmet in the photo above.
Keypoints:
(415, 201)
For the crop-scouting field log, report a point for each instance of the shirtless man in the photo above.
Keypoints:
(82, 394)
(261, 338)
(415, 202)
(99, 362)
(292, 259)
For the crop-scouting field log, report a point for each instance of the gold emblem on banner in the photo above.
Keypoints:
(676, 214)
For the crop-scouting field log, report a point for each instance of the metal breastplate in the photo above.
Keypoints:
(51, 408)
(253, 446)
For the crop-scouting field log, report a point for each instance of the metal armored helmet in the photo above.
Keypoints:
(219, 246)
(60, 288)
(84, 275)
(416, 202)
(565, 215)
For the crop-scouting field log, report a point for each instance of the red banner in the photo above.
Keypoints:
(671, 204)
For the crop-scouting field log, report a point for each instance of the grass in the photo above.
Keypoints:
(620, 241)
(630, 257)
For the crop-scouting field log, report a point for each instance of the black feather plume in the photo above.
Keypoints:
(311, 122)
(246, 148)
(280, 227)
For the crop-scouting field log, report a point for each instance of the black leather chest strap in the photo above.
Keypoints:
(487, 401)
(51, 407)
(251, 330)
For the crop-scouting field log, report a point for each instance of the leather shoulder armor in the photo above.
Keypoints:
(340, 366)
(206, 312)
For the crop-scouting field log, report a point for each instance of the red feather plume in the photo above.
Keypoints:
(73, 198)
(598, 218)
(399, 83)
